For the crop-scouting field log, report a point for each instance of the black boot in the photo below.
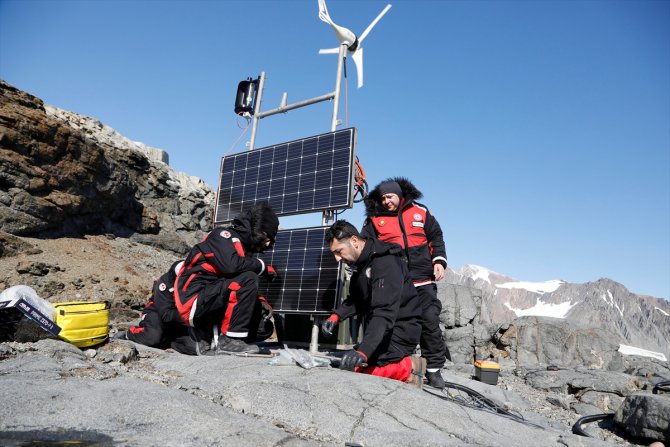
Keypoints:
(435, 379)
(229, 345)
(192, 344)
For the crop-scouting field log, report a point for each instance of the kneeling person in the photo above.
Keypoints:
(160, 322)
(216, 290)
(382, 291)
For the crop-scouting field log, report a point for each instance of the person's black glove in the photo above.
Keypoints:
(328, 325)
(270, 273)
(352, 359)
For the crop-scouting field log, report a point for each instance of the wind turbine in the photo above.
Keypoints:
(348, 38)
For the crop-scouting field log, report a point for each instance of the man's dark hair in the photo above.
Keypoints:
(341, 230)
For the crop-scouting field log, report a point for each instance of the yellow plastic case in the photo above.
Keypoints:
(83, 323)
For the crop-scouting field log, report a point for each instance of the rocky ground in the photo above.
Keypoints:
(120, 271)
(98, 268)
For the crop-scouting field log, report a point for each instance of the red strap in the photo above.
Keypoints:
(232, 302)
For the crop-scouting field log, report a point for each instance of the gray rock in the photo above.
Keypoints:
(461, 344)
(543, 340)
(559, 401)
(63, 174)
(227, 400)
(461, 305)
(645, 415)
(583, 409)
(606, 402)
(634, 320)
(574, 382)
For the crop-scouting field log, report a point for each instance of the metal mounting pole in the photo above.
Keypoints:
(283, 108)
(338, 81)
(257, 109)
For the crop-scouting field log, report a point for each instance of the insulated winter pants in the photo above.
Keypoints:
(433, 347)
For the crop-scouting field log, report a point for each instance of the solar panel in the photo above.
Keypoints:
(309, 275)
(307, 175)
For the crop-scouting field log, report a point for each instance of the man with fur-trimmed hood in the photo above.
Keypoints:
(217, 287)
(394, 216)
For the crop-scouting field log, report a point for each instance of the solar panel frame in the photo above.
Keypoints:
(301, 176)
(309, 277)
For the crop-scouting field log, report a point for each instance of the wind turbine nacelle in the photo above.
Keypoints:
(245, 101)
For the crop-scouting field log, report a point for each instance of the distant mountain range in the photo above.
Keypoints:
(638, 320)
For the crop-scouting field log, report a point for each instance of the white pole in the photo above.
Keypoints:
(338, 81)
(257, 109)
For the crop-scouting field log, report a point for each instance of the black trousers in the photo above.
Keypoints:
(228, 303)
(399, 343)
(152, 331)
(229, 306)
(433, 347)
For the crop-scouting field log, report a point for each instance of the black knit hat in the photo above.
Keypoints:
(264, 222)
(266, 217)
(255, 225)
(389, 187)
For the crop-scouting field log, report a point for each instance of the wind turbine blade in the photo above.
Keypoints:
(330, 51)
(374, 22)
(358, 61)
(323, 12)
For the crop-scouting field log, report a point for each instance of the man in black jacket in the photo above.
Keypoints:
(381, 290)
(394, 216)
(216, 290)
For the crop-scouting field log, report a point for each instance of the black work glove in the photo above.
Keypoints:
(270, 273)
(328, 325)
(352, 359)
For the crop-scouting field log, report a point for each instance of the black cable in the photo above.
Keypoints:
(479, 402)
(661, 386)
(577, 428)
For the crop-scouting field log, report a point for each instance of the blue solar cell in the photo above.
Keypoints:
(309, 275)
(302, 176)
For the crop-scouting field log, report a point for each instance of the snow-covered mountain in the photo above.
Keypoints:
(638, 320)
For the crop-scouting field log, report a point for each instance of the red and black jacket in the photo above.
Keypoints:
(220, 254)
(412, 227)
(162, 296)
(381, 290)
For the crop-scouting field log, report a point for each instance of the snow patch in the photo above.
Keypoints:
(480, 273)
(632, 350)
(619, 309)
(662, 311)
(609, 299)
(535, 287)
(476, 272)
(542, 309)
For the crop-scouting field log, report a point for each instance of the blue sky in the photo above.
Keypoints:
(538, 131)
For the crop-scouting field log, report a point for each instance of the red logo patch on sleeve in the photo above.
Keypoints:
(226, 234)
